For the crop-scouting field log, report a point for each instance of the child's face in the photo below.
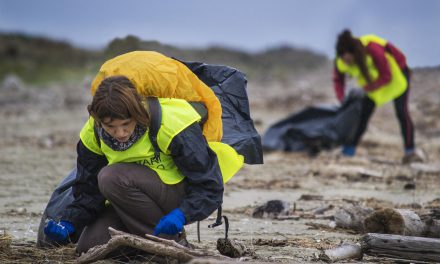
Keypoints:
(119, 129)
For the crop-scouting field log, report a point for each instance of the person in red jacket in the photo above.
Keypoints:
(377, 65)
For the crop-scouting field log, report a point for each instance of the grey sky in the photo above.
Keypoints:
(413, 25)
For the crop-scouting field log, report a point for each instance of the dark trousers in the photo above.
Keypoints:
(402, 113)
(139, 199)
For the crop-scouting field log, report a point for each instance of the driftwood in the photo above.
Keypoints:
(388, 221)
(344, 251)
(352, 217)
(322, 209)
(281, 210)
(394, 221)
(401, 247)
(150, 244)
(401, 222)
(310, 197)
(288, 217)
(397, 247)
(432, 228)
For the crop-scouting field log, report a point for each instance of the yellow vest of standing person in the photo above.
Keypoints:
(177, 114)
(388, 92)
(156, 75)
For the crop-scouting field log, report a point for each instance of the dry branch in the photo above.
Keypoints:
(150, 244)
(322, 209)
(310, 197)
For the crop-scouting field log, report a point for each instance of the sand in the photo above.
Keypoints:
(39, 130)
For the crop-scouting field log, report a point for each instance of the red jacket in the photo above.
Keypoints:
(377, 52)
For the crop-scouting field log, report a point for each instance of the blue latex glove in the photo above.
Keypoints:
(59, 231)
(170, 224)
(348, 151)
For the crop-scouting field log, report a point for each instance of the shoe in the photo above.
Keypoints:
(413, 156)
(348, 151)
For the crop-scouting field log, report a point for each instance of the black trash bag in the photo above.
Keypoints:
(229, 85)
(316, 128)
(61, 197)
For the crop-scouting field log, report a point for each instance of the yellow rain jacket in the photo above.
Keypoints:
(156, 75)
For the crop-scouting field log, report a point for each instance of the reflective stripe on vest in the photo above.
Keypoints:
(388, 92)
(177, 115)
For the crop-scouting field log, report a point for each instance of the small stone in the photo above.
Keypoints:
(316, 255)
(12, 82)
(47, 142)
(21, 210)
(409, 186)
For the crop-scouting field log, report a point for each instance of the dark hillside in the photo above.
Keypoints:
(38, 59)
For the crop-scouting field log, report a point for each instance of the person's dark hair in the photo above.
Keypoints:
(117, 98)
(348, 44)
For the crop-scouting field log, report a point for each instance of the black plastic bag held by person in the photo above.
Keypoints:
(61, 197)
(316, 128)
(229, 85)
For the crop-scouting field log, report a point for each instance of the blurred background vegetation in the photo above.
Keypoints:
(38, 60)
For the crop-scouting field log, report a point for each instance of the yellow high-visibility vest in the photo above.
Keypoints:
(388, 92)
(177, 114)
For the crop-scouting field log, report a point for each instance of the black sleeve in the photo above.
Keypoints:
(89, 201)
(199, 164)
